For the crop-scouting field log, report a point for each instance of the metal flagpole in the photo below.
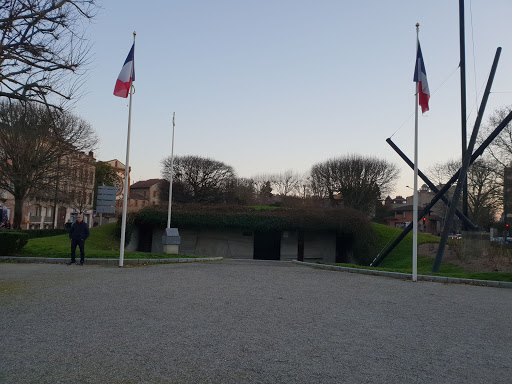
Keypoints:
(415, 196)
(126, 173)
(171, 175)
(463, 119)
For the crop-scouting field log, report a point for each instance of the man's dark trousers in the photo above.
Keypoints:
(80, 244)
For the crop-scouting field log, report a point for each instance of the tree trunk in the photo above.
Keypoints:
(18, 212)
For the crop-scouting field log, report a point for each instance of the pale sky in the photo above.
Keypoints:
(271, 85)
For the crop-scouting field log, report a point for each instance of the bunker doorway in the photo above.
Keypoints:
(267, 245)
(344, 245)
(145, 239)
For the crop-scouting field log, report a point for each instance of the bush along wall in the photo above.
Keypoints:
(342, 221)
(38, 233)
(12, 242)
(130, 219)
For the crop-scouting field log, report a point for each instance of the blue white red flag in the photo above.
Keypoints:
(420, 76)
(126, 76)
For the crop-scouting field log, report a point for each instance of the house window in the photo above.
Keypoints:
(154, 193)
(38, 211)
(403, 214)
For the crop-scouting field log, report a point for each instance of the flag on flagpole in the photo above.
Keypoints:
(126, 76)
(420, 76)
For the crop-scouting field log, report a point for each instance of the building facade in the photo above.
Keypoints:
(144, 194)
(73, 194)
(403, 212)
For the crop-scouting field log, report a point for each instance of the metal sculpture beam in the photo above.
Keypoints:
(431, 185)
(469, 160)
(465, 164)
(381, 256)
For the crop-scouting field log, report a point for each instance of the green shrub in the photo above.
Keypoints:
(12, 242)
(129, 228)
(38, 233)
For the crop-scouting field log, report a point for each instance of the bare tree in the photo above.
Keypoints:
(286, 183)
(323, 180)
(283, 184)
(42, 46)
(241, 191)
(263, 184)
(261, 179)
(200, 179)
(304, 187)
(485, 193)
(485, 187)
(361, 181)
(33, 144)
(501, 147)
(79, 179)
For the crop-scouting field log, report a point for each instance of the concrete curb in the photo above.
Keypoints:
(92, 261)
(408, 276)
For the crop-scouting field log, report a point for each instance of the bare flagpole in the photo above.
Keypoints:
(171, 175)
(415, 196)
(126, 175)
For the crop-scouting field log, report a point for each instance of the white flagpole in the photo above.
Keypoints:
(171, 175)
(415, 196)
(126, 174)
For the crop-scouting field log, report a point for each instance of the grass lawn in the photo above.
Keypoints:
(400, 259)
(101, 244)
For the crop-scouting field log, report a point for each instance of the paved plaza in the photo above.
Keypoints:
(246, 321)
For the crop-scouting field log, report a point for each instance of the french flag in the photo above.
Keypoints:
(420, 76)
(126, 76)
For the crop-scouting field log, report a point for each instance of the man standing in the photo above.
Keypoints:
(78, 234)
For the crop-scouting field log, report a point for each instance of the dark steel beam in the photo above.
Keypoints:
(431, 185)
(381, 256)
(465, 165)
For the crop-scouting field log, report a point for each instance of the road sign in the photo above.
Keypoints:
(106, 199)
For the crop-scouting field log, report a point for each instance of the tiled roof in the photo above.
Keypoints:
(145, 183)
(137, 196)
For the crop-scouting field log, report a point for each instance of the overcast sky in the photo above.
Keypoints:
(271, 85)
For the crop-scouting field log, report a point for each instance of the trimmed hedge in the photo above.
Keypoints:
(12, 242)
(129, 229)
(342, 221)
(37, 233)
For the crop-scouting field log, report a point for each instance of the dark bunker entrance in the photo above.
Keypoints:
(267, 245)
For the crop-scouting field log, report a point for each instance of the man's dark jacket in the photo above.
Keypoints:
(79, 231)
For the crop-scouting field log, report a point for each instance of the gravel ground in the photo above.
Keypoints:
(246, 322)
